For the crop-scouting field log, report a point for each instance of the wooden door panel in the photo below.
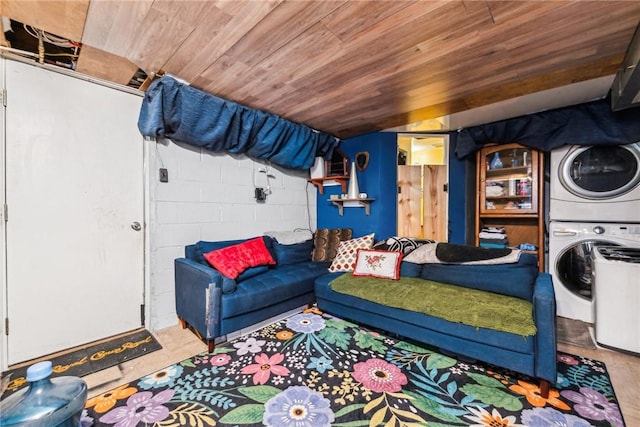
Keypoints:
(435, 203)
(409, 201)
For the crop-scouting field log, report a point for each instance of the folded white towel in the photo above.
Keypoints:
(497, 236)
(493, 229)
(495, 191)
(290, 237)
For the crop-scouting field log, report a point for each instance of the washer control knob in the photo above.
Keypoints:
(598, 229)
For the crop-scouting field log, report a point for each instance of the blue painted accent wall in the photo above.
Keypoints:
(379, 181)
(458, 194)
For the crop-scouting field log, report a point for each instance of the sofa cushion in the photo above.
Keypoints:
(233, 260)
(381, 264)
(326, 242)
(292, 253)
(272, 287)
(229, 285)
(251, 271)
(345, 260)
(409, 269)
(457, 304)
(514, 279)
(430, 324)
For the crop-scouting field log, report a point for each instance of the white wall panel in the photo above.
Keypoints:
(210, 196)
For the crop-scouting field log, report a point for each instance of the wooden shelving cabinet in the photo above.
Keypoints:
(510, 195)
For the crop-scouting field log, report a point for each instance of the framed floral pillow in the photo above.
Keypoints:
(382, 264)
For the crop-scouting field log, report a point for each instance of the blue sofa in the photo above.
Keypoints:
(533, 355)
(215, 305)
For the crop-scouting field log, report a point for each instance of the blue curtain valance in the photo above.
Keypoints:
(592, 123)
(173, 110)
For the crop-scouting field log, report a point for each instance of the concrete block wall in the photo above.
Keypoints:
(210, 196)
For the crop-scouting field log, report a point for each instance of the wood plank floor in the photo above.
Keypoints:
(178, 344)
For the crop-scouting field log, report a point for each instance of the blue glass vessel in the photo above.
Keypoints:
(46, 402)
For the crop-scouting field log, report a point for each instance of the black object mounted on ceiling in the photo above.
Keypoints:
(625, 89)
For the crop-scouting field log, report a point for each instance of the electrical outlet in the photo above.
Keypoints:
(260, 195)
(164, 175)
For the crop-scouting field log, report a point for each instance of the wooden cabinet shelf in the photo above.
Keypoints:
(509, 197)
(522, 170)
(515, 196)
(506, 215)
(321, 182)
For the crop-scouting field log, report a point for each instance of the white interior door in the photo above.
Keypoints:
(3, 342)
(74, 187)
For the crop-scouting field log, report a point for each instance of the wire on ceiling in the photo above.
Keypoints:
(50, 38)
(45, 37)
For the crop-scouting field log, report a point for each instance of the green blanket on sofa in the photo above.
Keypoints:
(458, 304)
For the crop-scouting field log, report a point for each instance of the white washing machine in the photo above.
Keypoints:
(571, 246)
(595, 183)
(616, 283)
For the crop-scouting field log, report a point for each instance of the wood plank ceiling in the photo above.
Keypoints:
(346, 67)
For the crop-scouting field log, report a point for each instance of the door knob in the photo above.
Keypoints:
(136, 226)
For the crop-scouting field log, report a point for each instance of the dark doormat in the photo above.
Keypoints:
(574, 332)
(90, 358)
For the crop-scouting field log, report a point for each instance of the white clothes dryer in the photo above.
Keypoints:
(571, 247)
(599, 183)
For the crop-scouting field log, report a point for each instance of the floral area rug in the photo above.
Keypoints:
(314, 370)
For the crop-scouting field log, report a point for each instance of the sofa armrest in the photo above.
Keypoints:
(200, 271)
(198, 290)
(544, 315)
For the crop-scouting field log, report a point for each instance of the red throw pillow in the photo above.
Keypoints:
(234, 259)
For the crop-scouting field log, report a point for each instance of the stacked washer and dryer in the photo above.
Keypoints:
(594, 239)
